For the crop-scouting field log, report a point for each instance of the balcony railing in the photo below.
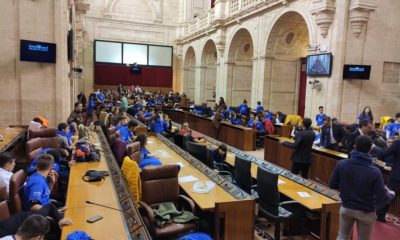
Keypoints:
(206, 19)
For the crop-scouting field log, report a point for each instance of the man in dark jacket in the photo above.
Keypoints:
(332, 135)
(393, 152)
(302, 148)
(361, 188)
(364, 128)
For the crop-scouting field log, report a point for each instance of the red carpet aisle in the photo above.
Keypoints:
(384, 231)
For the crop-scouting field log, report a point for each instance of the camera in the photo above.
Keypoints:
(316, 84)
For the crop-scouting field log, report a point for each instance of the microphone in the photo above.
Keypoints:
(89, 202)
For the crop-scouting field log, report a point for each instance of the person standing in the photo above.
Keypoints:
(361, 188)
(302, 146)
(319, 118)
(332, 135)
(366, 114)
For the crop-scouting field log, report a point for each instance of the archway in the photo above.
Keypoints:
(189, 69)
(240, 68)
(285, 79)
(208, 76)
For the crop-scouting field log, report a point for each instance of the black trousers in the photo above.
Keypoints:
(301, 167)
(381, 210)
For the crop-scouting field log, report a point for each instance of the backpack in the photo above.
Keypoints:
(86, 152)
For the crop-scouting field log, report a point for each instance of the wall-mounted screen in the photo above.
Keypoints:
(33, 51)
(136, 70)
(319, 65)
(361, 72)
(108, 52)
(135, 53)
(160, 56)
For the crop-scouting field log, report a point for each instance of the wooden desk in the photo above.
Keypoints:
(238, 136)
(11, 137)
(237, 214)
(283, 130)
(111, 192)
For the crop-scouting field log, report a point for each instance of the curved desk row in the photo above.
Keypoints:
(238, 136)
(111, 192)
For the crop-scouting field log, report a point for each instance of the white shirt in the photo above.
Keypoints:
(9, 237)
(5, 177)
(333, 140)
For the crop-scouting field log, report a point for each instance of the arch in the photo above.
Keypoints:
(111, 5)
(208, 73)
(240, 68)
(286, 46)
(189, 69)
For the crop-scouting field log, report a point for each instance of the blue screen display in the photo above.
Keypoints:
(319, 65)
(356, 72)
(33, 51)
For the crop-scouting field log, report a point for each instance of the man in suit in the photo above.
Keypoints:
(332, 135)
(302, 146)
(364, 128)
(393, 153)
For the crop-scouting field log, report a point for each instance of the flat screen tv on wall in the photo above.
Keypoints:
(33, 51)
(319, 64)
(360, 72)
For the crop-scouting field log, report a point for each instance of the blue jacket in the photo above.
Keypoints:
(250, 123)
(360, 183)
(243, 109)
(160, 125)
(236, 121)
(260, 127)
(259, 108)
(319, 118)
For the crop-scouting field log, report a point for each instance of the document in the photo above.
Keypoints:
(178, 163)
(304, 194)
(189, 178)
(280, 181)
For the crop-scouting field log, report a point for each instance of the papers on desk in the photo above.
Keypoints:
(304, 194)
(203, 186)
(179, 164)
(280, 181)
(149, 141)
(160, 153)
(189, 178)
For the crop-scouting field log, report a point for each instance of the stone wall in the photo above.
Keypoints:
(28, 89)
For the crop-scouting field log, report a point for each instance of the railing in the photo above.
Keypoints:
(206, 19)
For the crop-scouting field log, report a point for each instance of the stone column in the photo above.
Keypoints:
(200, 84)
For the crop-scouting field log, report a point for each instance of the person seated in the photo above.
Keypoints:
(34, 227)
(319, 118)
(120, 122)
(177, 98)
(63, 131)
(366, 114)
(279, 118)
(151, 103)
(159, 99)
(251, 120)
(36, 192)
(235, 120)
(259, 107)
(160, 125)
(243, 109)
(219, 155)
(393, 128)
(268, 125)
(127, 133)
(7, 164)
(147, 159)
(35, 124)
(390, 121)
(186, 130)
(259, 126)
(267, 115)
(76, 115)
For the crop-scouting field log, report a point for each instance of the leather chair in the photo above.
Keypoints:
(270, 206)
(34, 146)
(119, 151)
(242, 174)
(16, 184)
(160, 184)
(4, 209)
(197, 150)
(42, 133)
(178, 140)
(186, 139)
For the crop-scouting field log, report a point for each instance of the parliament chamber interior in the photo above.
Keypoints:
(200, 119)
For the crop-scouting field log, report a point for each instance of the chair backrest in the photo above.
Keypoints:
(112, 130)
(178, 140)
(3, 193)
(34, 146)
(197, 150)
(384, 121)
(186, 139)
(4, 210)
(210, 157)
(293, 120)
(267, 189)
(119, 151)
(242, 174)
(16, 183)
(102, 116)
(130, 170)
(42, 132)
(160, 184)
